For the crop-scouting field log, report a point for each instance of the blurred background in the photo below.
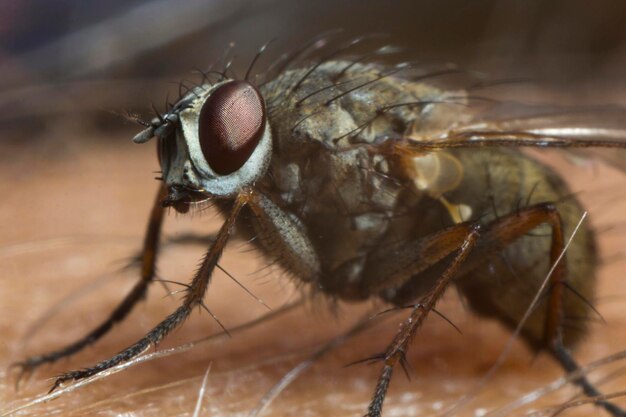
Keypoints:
(77, 59)
(76, 193)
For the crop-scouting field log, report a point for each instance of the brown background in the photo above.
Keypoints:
(75, 195)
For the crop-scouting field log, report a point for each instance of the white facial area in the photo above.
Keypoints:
(191, 168)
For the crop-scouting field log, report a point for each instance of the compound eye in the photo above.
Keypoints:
(231, 125)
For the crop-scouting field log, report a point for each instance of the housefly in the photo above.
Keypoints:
(365, 180)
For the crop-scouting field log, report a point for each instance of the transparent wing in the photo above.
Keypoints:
(597, 133)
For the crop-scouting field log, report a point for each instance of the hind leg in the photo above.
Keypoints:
(470, 245)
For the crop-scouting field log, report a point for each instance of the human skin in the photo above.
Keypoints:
(74, 211)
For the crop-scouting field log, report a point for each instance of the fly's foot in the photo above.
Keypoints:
(24, 370)
(27, 367)
(72, 376)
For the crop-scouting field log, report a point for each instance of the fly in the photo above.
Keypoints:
(366, 181)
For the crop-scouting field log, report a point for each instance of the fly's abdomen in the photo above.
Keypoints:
(503, 285)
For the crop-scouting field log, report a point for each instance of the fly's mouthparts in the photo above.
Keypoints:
(180, 198)
(177, 197)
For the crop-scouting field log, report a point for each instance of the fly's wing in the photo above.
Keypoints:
(585, 133)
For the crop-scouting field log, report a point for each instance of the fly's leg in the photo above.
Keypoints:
(191, 239)
(193, 298)
(476, 246)
(396, 351)
(279, 232)
(284, 238)
(564, 357)
(148, 265)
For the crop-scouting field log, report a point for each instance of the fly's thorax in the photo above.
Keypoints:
(342, 103)
(342, 198)
(320, 117)
(327, 123)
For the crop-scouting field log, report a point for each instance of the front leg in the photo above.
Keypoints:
(281, 234)
(193, 298)
(284, 237)
(148, 260)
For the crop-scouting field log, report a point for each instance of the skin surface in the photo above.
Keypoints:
(78, 215)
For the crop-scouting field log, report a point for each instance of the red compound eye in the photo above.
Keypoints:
(231, 124)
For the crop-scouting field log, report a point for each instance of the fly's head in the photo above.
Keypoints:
(212, 143)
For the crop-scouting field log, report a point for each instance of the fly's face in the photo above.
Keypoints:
(215, 141)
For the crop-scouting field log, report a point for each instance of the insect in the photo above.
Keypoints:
(363, 181)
